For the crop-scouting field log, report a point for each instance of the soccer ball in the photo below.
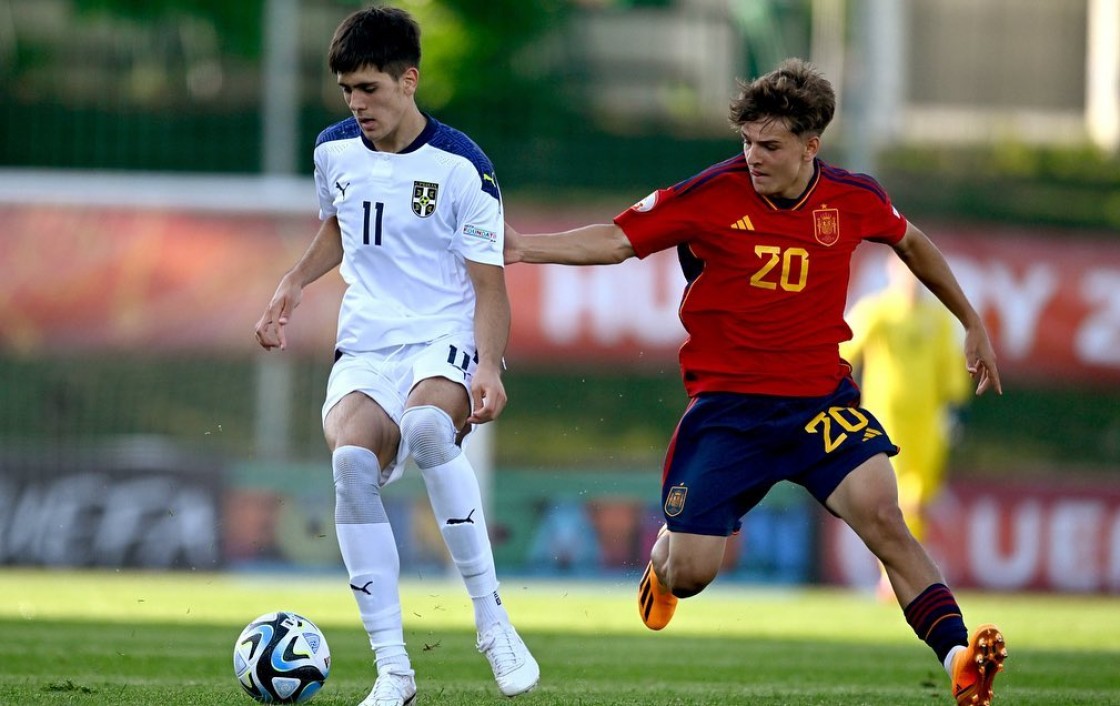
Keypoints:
(281, 658)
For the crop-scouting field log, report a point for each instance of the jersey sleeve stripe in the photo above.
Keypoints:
(342, 130)
(450, 140)
(738, 163)
(861, 181)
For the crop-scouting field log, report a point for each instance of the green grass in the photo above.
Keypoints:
(137, 638)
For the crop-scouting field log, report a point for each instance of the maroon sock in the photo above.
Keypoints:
(936, 619)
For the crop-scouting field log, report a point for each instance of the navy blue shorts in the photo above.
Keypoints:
(729, 449)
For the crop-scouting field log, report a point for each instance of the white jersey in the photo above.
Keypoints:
(409, 222)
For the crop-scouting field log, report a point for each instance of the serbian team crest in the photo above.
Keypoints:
(424, 195)
(674, 503)
(826, 225)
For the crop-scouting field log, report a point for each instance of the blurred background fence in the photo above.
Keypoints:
(155, 182)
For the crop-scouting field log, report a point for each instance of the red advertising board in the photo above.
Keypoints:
(1005, 537)
(109, 277)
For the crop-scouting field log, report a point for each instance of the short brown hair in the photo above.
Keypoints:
(386, 38)
(795, 92)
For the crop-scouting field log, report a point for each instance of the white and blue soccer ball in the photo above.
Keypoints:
(281, 658)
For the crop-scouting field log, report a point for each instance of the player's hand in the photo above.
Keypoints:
(270, 327)
(512, 247)
(488, 395)
(981, 358)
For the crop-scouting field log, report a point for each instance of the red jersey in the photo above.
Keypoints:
(767, 278)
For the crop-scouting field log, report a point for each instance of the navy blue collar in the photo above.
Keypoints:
(422, 139)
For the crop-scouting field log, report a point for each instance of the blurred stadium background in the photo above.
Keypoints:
(155, 181)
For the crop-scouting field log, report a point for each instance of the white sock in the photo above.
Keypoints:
(489, 611)
(457, 505)
(369, 551)
(948, 663)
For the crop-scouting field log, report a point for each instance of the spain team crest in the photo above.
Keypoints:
(674, 502)
(424, 195)
(826, 225)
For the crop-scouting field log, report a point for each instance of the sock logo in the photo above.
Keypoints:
(364, 588)
(497, 598)
(466, 520)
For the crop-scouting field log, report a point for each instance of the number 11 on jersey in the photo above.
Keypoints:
(380, 209)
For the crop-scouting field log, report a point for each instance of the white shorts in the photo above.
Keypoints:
(387, 376)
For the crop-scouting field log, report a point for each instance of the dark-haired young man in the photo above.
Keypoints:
(765, 240)
(411, 210)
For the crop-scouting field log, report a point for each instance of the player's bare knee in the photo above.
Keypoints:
(889, 519)
(885, 530)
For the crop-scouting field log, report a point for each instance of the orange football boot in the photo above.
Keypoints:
(656, 605)
(975, 668)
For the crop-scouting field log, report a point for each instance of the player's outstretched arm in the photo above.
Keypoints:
(929, 265)
(322, 256)
(491, 334)
(601, 244)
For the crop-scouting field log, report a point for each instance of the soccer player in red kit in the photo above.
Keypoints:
(765, 240)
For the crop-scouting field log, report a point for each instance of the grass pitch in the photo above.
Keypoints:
(134, 639)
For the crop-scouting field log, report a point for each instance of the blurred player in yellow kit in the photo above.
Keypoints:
(906, 347)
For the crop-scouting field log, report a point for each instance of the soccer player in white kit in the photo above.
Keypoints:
(411, 210)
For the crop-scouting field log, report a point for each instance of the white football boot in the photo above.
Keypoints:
(514, 667)
(392, 689)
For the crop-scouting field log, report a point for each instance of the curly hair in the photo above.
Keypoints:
(795, 92)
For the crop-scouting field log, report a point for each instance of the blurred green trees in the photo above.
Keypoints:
(1077, 187)
(176, 85)
(237, 23)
